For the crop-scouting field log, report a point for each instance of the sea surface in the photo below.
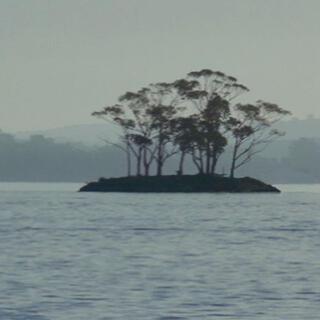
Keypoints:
(79, 256)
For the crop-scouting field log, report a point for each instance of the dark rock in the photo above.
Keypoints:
(178, 183)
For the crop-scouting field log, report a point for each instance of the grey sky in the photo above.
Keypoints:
(62, 59)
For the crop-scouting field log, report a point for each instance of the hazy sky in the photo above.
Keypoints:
(62, 59)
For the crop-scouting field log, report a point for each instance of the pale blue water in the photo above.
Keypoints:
(67, 255)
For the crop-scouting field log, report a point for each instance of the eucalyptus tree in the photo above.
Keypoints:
(194, 116)
(164, 105)
(251, 127)
(140, 136)
(209, 94)
(130, 115)
(185, 136)
(116, 115)
(144, 118)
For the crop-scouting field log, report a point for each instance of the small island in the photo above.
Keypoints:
(192, 119)
(178, 183)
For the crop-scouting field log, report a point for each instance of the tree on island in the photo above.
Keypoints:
(194, 117)
(251, 130)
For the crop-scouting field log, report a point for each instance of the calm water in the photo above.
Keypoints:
(66, 255)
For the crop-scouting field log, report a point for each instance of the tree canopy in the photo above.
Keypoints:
(197, 117)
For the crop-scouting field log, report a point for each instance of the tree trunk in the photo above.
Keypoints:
(214, 164)
(201, 162)
(128, 161)
(139, 162)
(194, 159)
(233, 162)
(208, 158)
(180, 171)
(128, 164)
(146, 170)
(145, 163)
(159, 168)
(160, 156)
(232, 169)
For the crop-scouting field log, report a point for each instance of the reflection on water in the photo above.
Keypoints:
(68, 255)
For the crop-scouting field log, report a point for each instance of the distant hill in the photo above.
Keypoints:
(78, 153)
(301, 128)
(93, 134)
(86, 134)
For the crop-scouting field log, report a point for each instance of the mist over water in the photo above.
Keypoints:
(67, 255)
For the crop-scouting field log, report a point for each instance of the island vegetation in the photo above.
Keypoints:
(196, 117)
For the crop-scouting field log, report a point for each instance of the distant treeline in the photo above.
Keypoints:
(43, 159)
(299, 164)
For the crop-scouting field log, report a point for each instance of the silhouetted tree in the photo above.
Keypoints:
(184, 131)
(163, 104)
(194, 116)
(209, 94)
(251, 129)
(119, 115)
(145, 118)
